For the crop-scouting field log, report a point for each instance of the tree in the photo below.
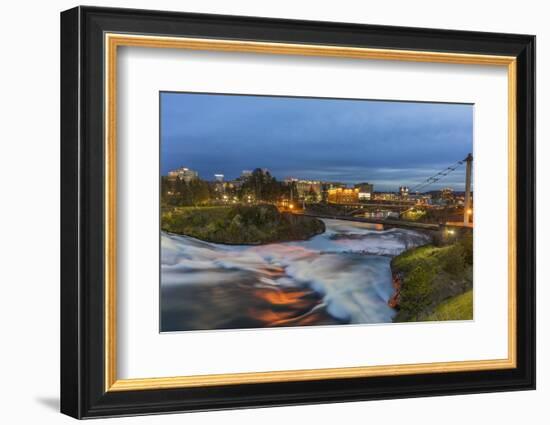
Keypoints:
(292, 191)
(467, 243)
(311, 195)
(166, 190)
(199, 191)
(262, 186)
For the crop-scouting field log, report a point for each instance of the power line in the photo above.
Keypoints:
(438, 176)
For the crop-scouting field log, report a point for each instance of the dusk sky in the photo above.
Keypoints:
(386, 143)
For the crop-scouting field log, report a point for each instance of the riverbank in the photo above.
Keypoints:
(433, 282)
(240, 225)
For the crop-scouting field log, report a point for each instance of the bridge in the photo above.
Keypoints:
(467, 185)
(401, 206)
(356, 208)
(381, 222)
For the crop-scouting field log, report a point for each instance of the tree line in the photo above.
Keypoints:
(259, 186)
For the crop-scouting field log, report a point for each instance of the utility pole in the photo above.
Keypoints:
(467, 191)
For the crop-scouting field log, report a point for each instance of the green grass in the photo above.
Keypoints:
(240, 225)
(451, 258)
(430, 275)
(408, 260)
(460, 307)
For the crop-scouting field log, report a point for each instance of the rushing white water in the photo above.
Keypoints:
(340, 276)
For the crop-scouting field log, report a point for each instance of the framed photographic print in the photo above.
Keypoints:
(261, 212)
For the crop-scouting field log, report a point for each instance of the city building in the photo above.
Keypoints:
(447, 193)
(403, 191)
(183, 173)
(421, 198)
(366, 191)
(220, 186)
(341, 195)
(385, 196)
(248, 173)
(309, 190)
(235, 184)
(326, 186)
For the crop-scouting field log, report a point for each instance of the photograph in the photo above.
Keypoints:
(284, 211)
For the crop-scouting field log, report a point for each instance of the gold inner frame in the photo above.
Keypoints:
(113, 41)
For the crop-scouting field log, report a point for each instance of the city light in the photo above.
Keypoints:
(296, 195)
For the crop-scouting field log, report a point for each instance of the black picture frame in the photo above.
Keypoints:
(83, 392)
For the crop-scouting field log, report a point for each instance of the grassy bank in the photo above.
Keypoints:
(431, 279)
(460, 307)
(241, 225)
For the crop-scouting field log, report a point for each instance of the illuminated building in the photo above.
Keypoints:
(326, 186)
(342, 195)
(184, 174)
(403, 191)
(422, 199)
(245, 174)
(220, 186)
(447, 193)
(309, 189)
(385, 196)
(365, 191)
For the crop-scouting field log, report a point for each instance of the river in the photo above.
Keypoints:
(342, 276)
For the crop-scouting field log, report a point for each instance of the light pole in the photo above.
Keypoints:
(467, 191)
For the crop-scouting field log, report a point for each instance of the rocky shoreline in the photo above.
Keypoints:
(397, 283)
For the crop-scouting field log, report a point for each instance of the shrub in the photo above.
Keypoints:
(453, 259)
(432, 275)
(242, 224)
(467, 243)
(416, 292)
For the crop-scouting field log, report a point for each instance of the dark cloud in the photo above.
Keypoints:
(387, 143)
